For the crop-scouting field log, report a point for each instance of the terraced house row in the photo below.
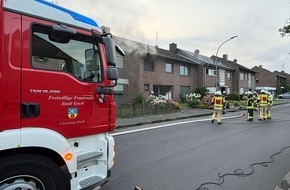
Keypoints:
(173, 72)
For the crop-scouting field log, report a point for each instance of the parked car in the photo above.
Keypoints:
(285, 95)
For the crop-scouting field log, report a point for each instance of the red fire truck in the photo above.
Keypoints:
(57, 73)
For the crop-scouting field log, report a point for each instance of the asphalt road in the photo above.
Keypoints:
(183, 156)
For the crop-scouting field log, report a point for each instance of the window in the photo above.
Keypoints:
(74, 54)
(169, 68)
(146, 87)
(211, 89)
(120, 61)
(184, 90)
(242, 76)
(228, 75)
(184, 71)
(163, 90)
(242, 90)
(148, 63)
(211, 72)
(228, 90)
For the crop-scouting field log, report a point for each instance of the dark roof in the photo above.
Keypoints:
(170, 55)
(282, 74)
(188, 55)
(143, 50)
(258, 69)
(232, 64)
(202, 59)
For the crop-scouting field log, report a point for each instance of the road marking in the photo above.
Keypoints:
(168, 125)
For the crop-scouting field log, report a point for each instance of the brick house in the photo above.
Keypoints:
(207, 77)
(265, 80)
(233, 77)
(148, 69)
(283, 80)
(175, 72)
(241, 78)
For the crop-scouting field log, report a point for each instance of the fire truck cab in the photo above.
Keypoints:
(57, 73)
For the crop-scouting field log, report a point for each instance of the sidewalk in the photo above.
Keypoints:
(183, 114)
(189, 113)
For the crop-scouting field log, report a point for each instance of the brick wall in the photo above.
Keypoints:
(265, 77)
(134, 71)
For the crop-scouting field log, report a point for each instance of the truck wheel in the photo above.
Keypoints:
(30, 172)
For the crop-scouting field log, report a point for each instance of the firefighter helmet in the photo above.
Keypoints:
(218, 93)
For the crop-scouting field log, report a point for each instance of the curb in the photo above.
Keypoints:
(161, 120)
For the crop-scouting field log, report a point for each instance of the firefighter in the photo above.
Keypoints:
(250, 106)
(270, 104)
(218, 107)
(226, 103)
(255, 97)
(263, 103)
(244, 103)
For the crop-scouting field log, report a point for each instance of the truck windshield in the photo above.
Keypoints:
(73, 53)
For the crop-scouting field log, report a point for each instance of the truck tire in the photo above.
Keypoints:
(30, 172)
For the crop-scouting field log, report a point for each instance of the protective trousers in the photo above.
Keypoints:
(269, 112)
(217, 113)
(263, 112)
(250, 114)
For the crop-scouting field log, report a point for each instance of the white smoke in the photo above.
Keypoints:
(135, 48)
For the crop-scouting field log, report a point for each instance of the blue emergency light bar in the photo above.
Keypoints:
(73, 14)
(46, 10)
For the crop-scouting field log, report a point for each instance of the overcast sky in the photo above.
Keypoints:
(200, 24)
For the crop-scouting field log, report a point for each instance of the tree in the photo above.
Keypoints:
(285, 30)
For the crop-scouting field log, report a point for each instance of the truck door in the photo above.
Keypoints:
(61, 72)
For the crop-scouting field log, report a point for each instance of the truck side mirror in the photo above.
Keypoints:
(112, 73)
(110, 51)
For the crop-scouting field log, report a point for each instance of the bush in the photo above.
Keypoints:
(194, 103)
(175, 105)
(182, 98)
(206, 100)
(139, 98)
(202, 106)
(161, 101)
(192, 100)
(233, 96)
(201, 90)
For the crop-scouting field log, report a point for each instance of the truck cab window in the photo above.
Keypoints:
(76, 54)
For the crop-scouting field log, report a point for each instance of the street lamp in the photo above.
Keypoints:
(215, 61)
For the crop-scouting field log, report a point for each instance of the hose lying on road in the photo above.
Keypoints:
(240, 172)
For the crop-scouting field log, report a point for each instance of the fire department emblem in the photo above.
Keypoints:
(72, 113)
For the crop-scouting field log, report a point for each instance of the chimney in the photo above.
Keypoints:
(196, 52)
(225, 57)
(173, 47)
(260, 66)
